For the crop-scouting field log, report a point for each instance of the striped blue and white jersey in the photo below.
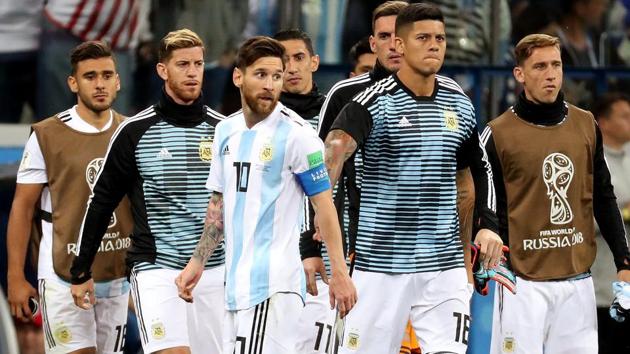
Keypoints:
(160, 159)
(408, 220)
(264, 173)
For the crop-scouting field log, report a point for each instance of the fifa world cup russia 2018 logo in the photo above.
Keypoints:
(557, 170)
(91, 173)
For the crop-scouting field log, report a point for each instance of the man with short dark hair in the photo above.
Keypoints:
(415, 128)
(362, 58)
(160, 159)
(61, 161)
(299, 91)
(267, 160)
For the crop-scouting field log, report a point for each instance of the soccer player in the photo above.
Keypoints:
(160, 159)
(362, 59)
(413, 128)
(314, 331)
(388, 61)
(299, 91)
(551, 179)
(268, 158)
(61, 160)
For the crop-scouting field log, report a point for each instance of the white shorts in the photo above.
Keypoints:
(436, 303)
(267, 328)
(551, 317)
(166, 321)
(69, 328)
(315, 330)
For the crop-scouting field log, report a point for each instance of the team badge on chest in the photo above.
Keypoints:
(205, 149)
(450, 120)
(266, 152)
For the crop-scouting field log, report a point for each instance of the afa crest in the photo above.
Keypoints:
(205, 150)
(509, 345)
(266, 153)
(63, 334)
(450, 120)
(353, 341)
(157, 330)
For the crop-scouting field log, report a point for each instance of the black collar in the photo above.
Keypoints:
(379, 72)
(541, 114)
(181, 115)
(410, 93)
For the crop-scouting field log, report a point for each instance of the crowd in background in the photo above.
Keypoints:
(36, 36)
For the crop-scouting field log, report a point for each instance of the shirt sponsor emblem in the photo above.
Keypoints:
(163, 154)
(557, 171)
(205, 150)
(315, 159)
(404, 123)
(226, 150)
(266, 153)
(450, 120)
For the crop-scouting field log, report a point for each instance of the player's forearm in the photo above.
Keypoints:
(465, 204)
(331, 234)
(465, 207)
(339, 147)
(18, 235)
(92, 232)
(212, 231)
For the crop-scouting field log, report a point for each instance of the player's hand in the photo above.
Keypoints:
(188, 279)
(83, 294)
(624, 275)
(342, 293)
(19, 291)
(490, 245)
(312, 266)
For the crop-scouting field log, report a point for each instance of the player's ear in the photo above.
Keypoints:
(400, 45)
(117, 82)
(518, 74)
(162, 71)
(72, 84)
(237, 77)
(314, 63)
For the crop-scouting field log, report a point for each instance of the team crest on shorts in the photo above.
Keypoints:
(157, 330)
(353, 341)
(205, 150)
(63, 334)
(266, 152)
(450, 120)
(509, 344)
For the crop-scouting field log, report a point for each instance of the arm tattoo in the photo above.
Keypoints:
(213, 229)
(339, 147)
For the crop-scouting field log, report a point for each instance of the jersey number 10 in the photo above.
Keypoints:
(242, 175)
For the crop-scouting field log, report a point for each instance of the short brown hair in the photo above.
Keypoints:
(526, 46)
(90, 50)
(179, 39)
(259, 47)
(388, 8)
